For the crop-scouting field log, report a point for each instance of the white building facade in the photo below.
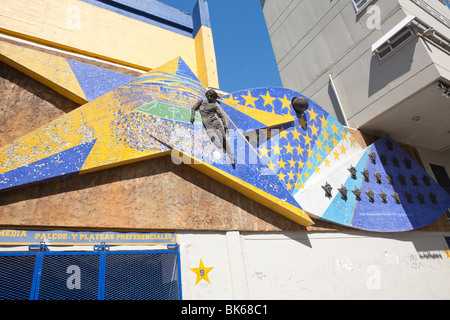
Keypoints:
(382, 67)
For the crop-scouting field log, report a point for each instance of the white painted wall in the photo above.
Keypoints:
(316, 266)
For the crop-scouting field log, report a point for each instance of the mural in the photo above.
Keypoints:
(299, 164)
(77, 81)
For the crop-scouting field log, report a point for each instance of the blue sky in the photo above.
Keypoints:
(245, 58)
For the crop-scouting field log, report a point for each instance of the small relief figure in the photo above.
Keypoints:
(396, 197)
(383, 160)
(414, 180)
(343, 190)
(389, 145)
(433, 198)
(426, 180)
(377, 175)
(383, 197)
(409, 197)
(421, 198)
(366, 175)
(396, 162)
(357, 194)
(210, 111)
(390, 179)
(327, 189)
(353, 172)
(408, 163)
(371, 195)
(373, 157)
(402, 180)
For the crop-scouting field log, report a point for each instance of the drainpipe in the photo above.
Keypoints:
(338, 100)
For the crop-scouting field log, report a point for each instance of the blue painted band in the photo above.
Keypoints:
(159, 14)
(447, 3)
(201, 16)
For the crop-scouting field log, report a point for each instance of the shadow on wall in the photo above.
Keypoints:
(155, 194)
(382, 74)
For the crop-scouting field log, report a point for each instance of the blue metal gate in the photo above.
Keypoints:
(98, 275)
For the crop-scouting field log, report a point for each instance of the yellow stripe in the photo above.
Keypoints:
(51, 70)
(269, 119)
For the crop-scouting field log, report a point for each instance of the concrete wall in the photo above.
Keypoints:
(316, 266)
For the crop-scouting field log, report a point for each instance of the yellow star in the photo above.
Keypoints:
(328, 149)
(282, 164)
(268, 99)
(271, 166)
(343, 150)
(286, 103)
(335, 128)
(336, 155)
(302, 185)
(310, 152)
(302, 123)
(281, 176)
(296, 134)
(292, 163)
(312, 115)
(300, 150)
(326, 135)
(289, 186)
(317, 169)
(249, 100)
(283, 134)
(307, 175)
(202, 272)
(289, 149)
(335, 141)
(314, 130)
(308, 140)
(324, 121)
(353, 142)
(300, 164)
(230, 101)
(319, 157)
(327, 162)
(319, 144)
(447, 252)
(291, 175)
(309, 164)
(276, 150)
(344, 134)
(264, 152)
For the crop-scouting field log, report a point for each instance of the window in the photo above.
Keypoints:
(441, 176)
(98, 275)
(394, 39)
(360, 5)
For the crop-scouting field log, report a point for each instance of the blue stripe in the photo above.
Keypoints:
(59, 165)
(159, 14)
(96, 81)
(447, 3)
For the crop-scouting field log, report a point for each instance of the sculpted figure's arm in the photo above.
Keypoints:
(195, 109)
(222, 116)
